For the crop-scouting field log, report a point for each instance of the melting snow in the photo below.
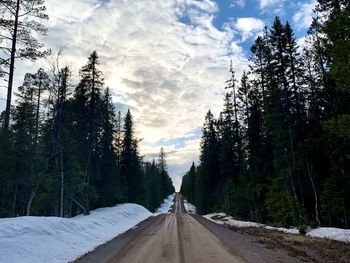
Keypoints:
(190, 208)
(53, 239)
(166, 206)
(222, 218)
(339, 234)
(322, 232)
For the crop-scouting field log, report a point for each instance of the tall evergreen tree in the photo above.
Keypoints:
(291, 117)
(209, 171)
(130, 163)
(166, 183)
(229, 160)
(109, 182)
(20, 22)
(335, 45)
(87, 105)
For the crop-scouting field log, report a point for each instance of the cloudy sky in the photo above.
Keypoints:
(167, 60)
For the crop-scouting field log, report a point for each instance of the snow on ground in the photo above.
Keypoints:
(53, 239)
(166, 206)
(189, 207)
(338, 234)
(222, 219)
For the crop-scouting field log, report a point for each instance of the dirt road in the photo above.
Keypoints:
(180, 237)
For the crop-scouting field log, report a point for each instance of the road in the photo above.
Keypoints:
(180, 237)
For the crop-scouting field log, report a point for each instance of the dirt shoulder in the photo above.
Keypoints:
(285, 247)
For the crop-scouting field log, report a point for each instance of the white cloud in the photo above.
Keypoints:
(268, 3)
(168, 71)
(274, 6)
(239, 3)
(249, 27)
(303, 17)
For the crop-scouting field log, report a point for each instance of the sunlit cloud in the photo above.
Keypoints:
(249, 27)
(166, 60)
(274, 6)
(168, 71)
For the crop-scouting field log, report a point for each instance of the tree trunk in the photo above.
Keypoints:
(239, 144)
(37, 178)
(31, 198)
(309, 171)
(38, 111)
(293, 186)
(344, 205)
(62, 185)
(12, 68)
(14, 202)
(82, 207)
(227, 197)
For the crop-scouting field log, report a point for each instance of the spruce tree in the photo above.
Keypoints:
(108, 183)
(207, 181)
(335, 44)
(229, 160)
(130, 163)
(87, 104)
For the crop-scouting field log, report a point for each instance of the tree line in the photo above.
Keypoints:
(279, 150)
(68, 151)
(64, 149)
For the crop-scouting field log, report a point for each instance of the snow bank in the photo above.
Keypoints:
(52, 239)
(223, 219)
(339, 234)
(166, 206)
(189, 207)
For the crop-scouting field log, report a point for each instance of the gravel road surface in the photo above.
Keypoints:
(179, 237)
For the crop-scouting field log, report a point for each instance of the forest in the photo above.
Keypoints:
(64, 148)
(279, 151)
(68, 151)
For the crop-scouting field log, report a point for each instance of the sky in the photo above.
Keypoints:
(166, 60)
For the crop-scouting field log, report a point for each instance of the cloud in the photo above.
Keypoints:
(303, 17)
(238, 3)
(169, 72)
(249, 27)
(275, 6)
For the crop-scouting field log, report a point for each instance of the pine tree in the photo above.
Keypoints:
(207, 181)
(130, 163)
(20, 22)
(109, 182)
(166, 183)
(153, 191)
(260, 62)
(29, 160)
(335, 46)
(87, 105)
(191, 183)
(229, 160)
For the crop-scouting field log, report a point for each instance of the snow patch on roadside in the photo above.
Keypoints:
(53, 239)
(165, 207)
(190, 208)
(338, 234)
(223, 219)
